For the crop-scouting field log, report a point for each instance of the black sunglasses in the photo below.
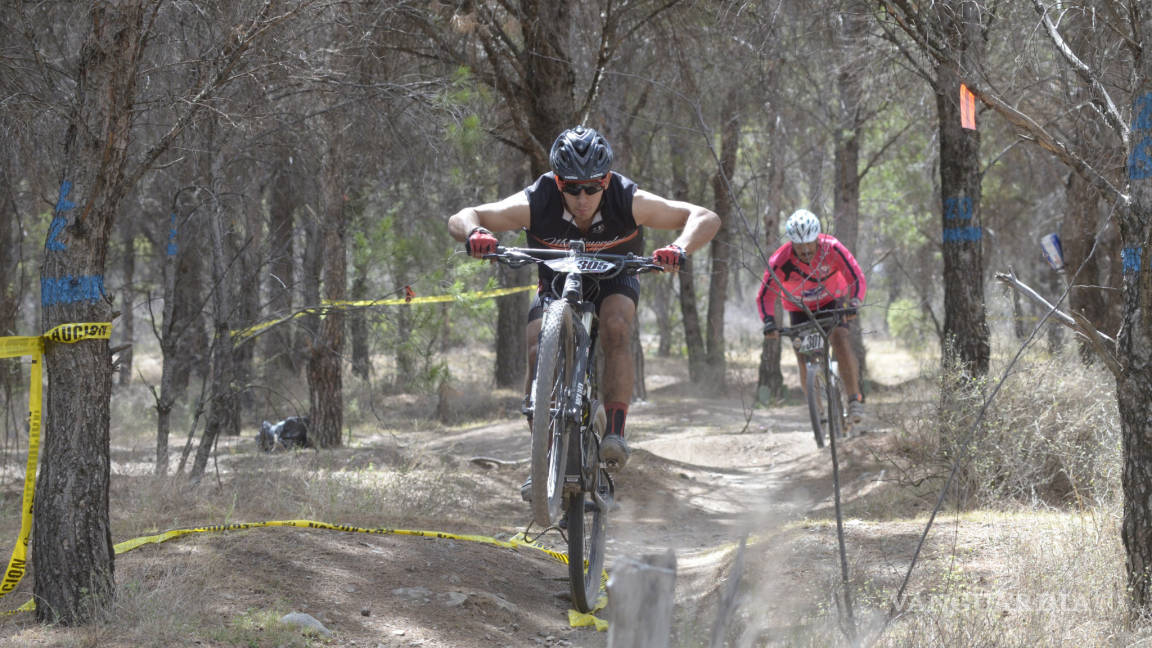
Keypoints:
(574, 188)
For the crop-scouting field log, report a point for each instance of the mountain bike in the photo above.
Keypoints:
(566, 415)
(827, 401)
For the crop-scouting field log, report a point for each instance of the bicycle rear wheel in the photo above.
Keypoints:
(817, 395)
(587, 529)
(550, 421)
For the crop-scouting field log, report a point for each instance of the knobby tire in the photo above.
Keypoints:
(552, 388)
(587, 527)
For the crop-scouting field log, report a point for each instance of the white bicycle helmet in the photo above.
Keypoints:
(802, 227)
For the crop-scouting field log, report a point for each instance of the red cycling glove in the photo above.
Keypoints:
(480, 242)
(670, 256)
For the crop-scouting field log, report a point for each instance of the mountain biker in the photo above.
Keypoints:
(817, 269)
(582, 198)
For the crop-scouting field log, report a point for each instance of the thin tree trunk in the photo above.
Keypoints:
(846, 191)
(222, 417)
(511, 318)
(11, 253)
(310, 287)
(358, 326)
(1078, 235)
(127, 316)
(276, 345)
(769, 378)
(693, 336)
(660, 289)
(721, 247)
(73, 553)
(11, 289)
(247, 245)
(325, 378)
(168, 349)
(512, 310)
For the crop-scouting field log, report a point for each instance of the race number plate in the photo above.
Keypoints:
(811, 342)
(580, 265)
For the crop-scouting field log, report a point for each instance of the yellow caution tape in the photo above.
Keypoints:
(576, 619)
(483, 294)
(12, 347)
(331, 304)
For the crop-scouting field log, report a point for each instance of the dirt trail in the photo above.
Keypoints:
(703, 475)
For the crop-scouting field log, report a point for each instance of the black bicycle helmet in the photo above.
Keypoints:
(580, 154)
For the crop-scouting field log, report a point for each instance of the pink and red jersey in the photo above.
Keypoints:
(833, 274)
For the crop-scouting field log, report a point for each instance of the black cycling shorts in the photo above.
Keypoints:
(594, 291)
(799, 317)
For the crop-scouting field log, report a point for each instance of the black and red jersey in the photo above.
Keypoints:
(613, 229)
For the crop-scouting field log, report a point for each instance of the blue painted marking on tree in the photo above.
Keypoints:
(54, 230)
(1140, 163)
(960, 234)
(959, 208)
(58, 223)
(62, 202)
(172, 247)
(69, 290)
(1143, 112)
(1131, 259)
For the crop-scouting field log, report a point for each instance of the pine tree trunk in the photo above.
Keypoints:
(966, 344)
(511, 318)
(846, 191)
(127, 316)
(276, 345)
(693, 336)
(660, 290)
(11, 240)
(1134, 345)
(222, 415)
(721, 249)
(358, 326)
(171, 332)
(247, 244)
(72, 546)
(1078, 236)
(325, 378)
(189, 328)
(769, 378)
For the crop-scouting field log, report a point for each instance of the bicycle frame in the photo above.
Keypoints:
(565, 414)
(811, 341)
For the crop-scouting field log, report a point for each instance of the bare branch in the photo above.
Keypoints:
(1049, 142)
(1111, 114)
(1076, 321)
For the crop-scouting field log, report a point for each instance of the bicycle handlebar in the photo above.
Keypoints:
(625, 263)
(827, 319)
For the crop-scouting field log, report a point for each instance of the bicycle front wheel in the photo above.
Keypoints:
(587, 530)
(817, 393)
(550, 422)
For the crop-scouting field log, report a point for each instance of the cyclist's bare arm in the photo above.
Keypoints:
(508, 214)
(699, 224)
